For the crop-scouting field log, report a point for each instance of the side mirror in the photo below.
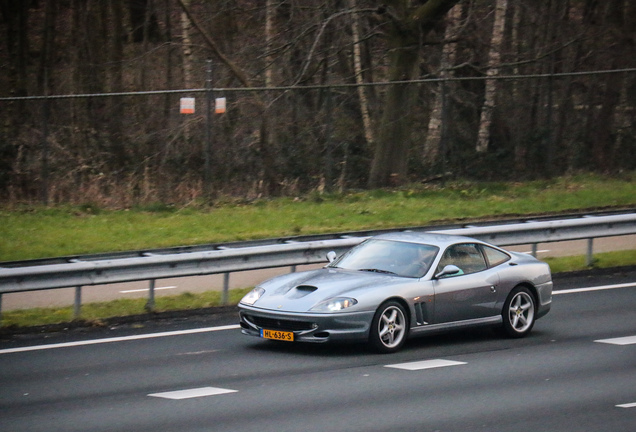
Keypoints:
(449, 270)
(331, 256)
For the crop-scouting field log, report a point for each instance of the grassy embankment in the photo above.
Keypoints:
(29, 232)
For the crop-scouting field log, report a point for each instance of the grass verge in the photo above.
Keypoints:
(95, 313)
(42, 232)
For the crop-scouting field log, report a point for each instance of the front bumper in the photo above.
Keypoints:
(307, 327)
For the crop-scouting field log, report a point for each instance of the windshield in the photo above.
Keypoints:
(391, 257)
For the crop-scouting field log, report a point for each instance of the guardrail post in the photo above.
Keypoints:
(207, 175)
(534, 249)
(150, 305)
(589, 257)
(226, 289)
(78, 302)
(0, 308)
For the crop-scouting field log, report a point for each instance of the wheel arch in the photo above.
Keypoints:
(533, 291)
(385, 335)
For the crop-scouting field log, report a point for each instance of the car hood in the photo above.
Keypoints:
(299, 292)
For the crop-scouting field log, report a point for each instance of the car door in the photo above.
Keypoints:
(469, 294)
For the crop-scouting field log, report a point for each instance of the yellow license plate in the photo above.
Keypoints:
(277, 335)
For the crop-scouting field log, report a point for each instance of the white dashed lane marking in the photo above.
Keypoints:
(629, 340)
(147, 289)
(214, 391)
(193, 393)
(425, 364)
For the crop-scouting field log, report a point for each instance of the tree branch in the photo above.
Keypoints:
(430, 12)
(238, 72)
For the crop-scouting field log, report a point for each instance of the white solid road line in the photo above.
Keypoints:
(119, 339)
(628, 405)
(596, 288)
(425, 364)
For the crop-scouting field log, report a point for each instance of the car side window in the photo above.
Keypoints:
(466, 256)
(494, 256)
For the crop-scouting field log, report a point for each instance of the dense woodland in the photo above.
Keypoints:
(321, 95)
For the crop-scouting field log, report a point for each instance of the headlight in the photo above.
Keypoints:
(334, 304)
(251, 297)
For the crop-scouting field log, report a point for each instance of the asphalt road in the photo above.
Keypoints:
(201, 374)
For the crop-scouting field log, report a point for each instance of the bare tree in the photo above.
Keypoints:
(408, 24)
(285, 141)
(357, 65)
(494, 58)
(186, 47)
(447, 60)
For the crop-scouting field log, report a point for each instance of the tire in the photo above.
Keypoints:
(519, 312)
(389, 328)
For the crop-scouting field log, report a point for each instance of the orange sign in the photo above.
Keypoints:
(219, 106)
(187, 105)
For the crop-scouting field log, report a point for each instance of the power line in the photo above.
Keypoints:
(319, 87)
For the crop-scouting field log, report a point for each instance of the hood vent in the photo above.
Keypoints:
(300, 291)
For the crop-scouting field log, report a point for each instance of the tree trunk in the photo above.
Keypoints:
(435, 123)
(357, 67)
(494, 58)
(14, 114)
(47, 49)
(117, 82)
(390, 160)
(186, 47)
(143, 21)
(517, 43)
(267, 138)
(622, 119)
(408, 26)
(17, 17)
(117, 43)
(169, 71)
(236, 71)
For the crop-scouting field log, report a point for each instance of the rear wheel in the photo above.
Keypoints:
(518, 312)
(389, 327)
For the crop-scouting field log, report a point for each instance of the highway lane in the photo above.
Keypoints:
(561, 378)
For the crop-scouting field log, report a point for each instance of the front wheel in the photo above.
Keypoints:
(389, 327)
(518, 312)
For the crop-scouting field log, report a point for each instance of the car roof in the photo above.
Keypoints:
(437, 239)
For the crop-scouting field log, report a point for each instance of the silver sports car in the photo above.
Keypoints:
(400, 285)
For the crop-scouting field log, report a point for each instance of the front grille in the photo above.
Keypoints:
(279, 324)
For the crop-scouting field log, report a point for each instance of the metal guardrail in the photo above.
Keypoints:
(79, 273)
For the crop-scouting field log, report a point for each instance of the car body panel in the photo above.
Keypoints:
(433, 303)
(466, 297)
(299, 292)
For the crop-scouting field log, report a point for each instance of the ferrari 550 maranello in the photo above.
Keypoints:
(400, 285)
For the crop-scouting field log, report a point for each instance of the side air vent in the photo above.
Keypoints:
(421, 313)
